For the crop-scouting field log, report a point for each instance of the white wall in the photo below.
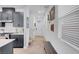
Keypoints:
(31, 27)
(26, 30)
(36, 16)
(60, 46)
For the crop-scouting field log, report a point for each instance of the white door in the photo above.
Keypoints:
(38, 29)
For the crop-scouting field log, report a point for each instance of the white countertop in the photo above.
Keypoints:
(4, 42)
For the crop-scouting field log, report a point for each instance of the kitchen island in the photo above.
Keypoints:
(6, 46)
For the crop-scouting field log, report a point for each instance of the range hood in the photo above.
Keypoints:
(6, 21)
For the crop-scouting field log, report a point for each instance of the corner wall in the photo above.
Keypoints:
(26, 30)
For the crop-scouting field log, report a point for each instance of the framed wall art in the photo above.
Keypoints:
(52, 27)
(52, 14)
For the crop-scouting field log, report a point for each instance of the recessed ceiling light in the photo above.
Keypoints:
(40, 11)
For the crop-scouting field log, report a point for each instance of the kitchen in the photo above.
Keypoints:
(11, 29)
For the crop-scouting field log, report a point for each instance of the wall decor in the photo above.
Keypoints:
(48, 17)
(52, 14)
(27, 22)
(51, 18)
(35, 24)
(52, 27)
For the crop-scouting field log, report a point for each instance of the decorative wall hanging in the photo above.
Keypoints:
(52, 27)
(27, 22)
(52, 14)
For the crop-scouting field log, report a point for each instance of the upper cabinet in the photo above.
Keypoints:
(18, 19)
(10, 15)
(0, 15)
(7, 13)
(21, 19)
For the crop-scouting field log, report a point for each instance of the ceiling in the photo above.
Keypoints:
(24, 6)
(34, 9)
(37, 11)
(15, 6)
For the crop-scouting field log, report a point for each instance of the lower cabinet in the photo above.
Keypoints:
(19, 41)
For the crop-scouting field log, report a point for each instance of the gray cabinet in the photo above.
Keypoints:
(7, 49)
(0, 15)
(19, 41)
(10, 14)
(4, 16)
(18, 19)
(7, 14)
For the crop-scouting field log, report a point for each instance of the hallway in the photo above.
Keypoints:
(40, 29)
(38, 45)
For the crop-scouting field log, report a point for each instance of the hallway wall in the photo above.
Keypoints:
(55, 37)
(36, 18)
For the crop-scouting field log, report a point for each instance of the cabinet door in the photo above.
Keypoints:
(16, 41)
(7, 13)
(18, 19)
(19, 41)
(0, 15)
(21, 19)
(4, 16)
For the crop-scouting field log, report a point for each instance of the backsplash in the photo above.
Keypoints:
(19, 30)
(10, 29)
